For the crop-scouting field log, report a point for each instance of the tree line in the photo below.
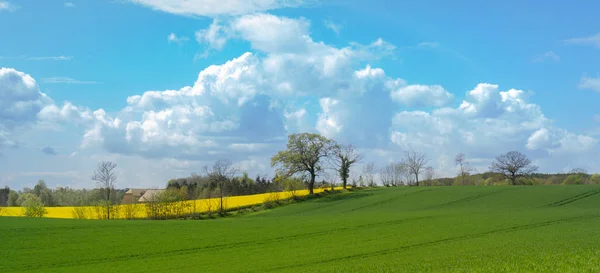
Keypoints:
(306, 158)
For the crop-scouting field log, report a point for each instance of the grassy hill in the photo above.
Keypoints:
(434, 229)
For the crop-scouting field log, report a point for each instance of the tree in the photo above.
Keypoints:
(13, 198)
(32, 206)
(368, 174)
(464, 168)
(4, 196)
(105, 178)
(415, 162)
(345, 157)
(221, 173)
(305, 153)
(429, 176)
(387, 175)
(399, 172)
(513, 165)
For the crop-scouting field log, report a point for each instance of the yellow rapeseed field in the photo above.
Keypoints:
(139, 210)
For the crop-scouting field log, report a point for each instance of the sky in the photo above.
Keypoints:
(165, 87)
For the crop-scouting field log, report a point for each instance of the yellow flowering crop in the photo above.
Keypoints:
(139, 210)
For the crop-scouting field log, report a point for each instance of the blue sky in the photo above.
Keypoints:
(436, 76)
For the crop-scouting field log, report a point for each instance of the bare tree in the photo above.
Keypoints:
(220, 173)
(369, 174)
(513, 165)
(386, 174)
(345, 157)
(464, 168)
(105, 178)
(399, 174)
(415, 162)
(578, 171)
(429, 176)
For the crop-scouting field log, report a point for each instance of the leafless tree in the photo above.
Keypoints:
(464, 168)
(105, 178)
(399, 174)
(220, 173)
(386, 174)
(345, 157)
(578, 171)
(429, 176)
(369, 174)
(513, 165)
(415, 162)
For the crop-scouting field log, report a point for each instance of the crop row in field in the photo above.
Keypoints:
(181, 208)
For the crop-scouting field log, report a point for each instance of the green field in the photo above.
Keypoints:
(432, 229)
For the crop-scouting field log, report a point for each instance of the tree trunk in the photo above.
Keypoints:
(221, 194)
(311, 184)
(108, 203)
(417, 177)
(344, 182)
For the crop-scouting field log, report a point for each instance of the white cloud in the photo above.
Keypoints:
(214, 8)
(328, 124)
(22, 105)
(547, 56)
(593, 40)
(69, 5)
(67, 80)
(244, 108)
(487, 123)
(333, 26)
(173, 38)
(7, 6)
(590, 83)
(51, 58)
(422, 95)
(215, 35)
(273, 34)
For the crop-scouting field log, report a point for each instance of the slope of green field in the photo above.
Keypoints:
(427, 229)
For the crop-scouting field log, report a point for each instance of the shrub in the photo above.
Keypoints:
(80, 213)
(130, 211)
(33, 206)
(272, 200)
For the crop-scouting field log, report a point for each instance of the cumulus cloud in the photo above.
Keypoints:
(244, 108)
(422, 95)
(241, 98)
(213, 8)
(488, 122)
(22, 104)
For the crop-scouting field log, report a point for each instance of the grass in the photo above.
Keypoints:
(441, 229)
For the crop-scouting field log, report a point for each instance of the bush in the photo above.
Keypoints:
(573, 179)
(272, 200)
(80, 213)
(130, 211)
(33, 206)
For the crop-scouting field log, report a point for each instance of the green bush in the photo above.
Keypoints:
(33, 206)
